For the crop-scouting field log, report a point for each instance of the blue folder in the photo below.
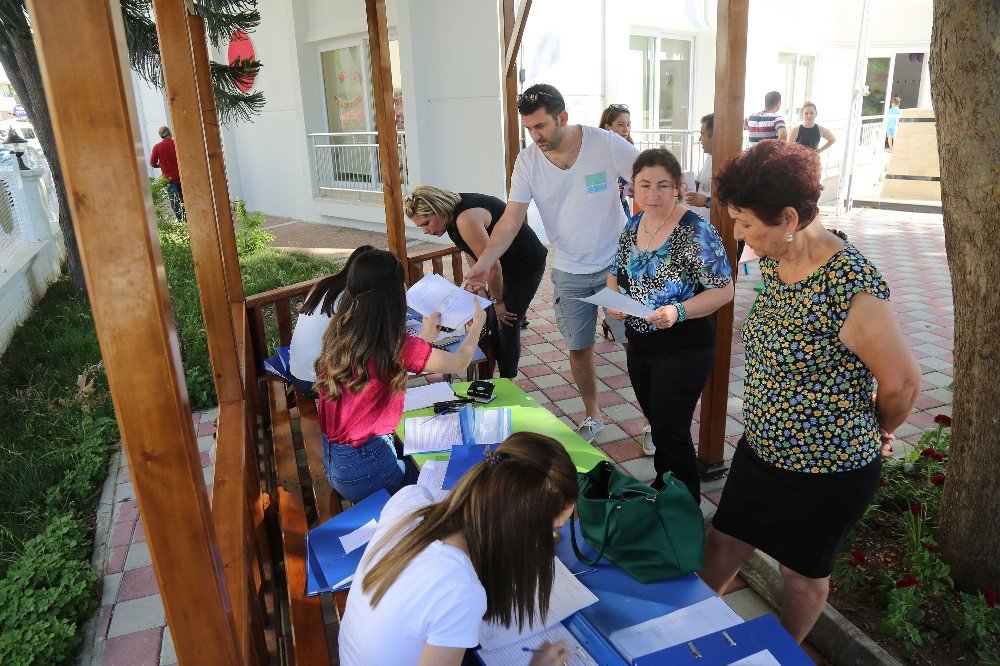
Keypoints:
(461, 460)
(279, 364)
(763, 633)
(326, 563)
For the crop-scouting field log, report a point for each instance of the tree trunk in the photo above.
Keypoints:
(965, 46)
(21, 66)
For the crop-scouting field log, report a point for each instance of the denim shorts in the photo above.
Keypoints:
(577, 321)
(357, 472)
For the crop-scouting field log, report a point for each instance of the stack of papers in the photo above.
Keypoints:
(700, 619)
(419, 397)
(514, 653)
(567, 597)
(468, 426)
(432, 293)
(334, 549)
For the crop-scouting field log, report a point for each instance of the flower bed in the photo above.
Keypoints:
(891, 581)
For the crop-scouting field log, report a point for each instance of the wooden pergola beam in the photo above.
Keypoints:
(98, 138)
(513, 28)
(513, 42)
(385, 123)
(727, 140)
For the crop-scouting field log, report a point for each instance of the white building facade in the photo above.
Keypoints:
(312, 153)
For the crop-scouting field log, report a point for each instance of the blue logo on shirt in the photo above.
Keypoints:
(596, 182)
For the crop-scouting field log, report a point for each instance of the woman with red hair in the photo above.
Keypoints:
(820, 337)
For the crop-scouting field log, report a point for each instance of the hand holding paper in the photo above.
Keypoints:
(615, 300)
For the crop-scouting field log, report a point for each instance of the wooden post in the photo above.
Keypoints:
(203, 225)
(730, 84)
(513, 30)
(216, 160)
(97, 136)
(385, 123)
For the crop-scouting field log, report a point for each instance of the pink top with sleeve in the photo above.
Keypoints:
(354, 418)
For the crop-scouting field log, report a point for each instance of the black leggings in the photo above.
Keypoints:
(517, 295)
(667, 386)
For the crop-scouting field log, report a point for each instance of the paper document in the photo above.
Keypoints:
(690, 183)
(431, 434)
(609, 298)
(762, 658)
(704, 617)
(359, 537)
(514, 654)
(432, 293)
(419, 397)
(491, 426)
(432, 474)
(567, 597)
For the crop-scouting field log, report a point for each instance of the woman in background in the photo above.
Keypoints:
(809, 133)
(616, 118)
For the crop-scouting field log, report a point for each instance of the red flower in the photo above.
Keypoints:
(881, 481)
(929, 452)
(937, 456)
(943, 420)
(938, 479)
(930, 547)
(909, 581)
(990, 595)
(857, 557)
(916, 509)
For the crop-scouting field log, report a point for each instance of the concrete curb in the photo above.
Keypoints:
(102, 532)
(836, 637)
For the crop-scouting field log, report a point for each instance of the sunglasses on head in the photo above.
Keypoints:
(531, 97)
(618, 107)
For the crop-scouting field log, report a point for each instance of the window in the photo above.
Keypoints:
(659, 82)
(877, 82)
(796, 71)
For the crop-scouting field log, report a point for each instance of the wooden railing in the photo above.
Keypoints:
(276, 303)
(416, 264)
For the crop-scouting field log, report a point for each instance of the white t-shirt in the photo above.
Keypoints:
(704, 181)
(580, 207)
(307, 340)
(436, 600)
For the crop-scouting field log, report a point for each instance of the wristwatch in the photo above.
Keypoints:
(496, 301)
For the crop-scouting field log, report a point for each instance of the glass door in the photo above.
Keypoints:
(349, 119)
(877, 82)
(659, 82)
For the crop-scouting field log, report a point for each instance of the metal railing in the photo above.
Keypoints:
(684, 144)
(349, 161)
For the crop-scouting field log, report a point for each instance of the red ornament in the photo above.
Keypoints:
(943, 420)
(241, 48)
(341, 76)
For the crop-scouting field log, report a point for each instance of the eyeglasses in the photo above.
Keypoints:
(618, 107)
(532, 97)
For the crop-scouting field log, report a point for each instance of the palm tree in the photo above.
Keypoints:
(19, 61)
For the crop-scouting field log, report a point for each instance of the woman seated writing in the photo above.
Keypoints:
(361, 374)
(314, 316)
(433, 572)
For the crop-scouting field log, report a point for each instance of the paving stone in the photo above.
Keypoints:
(551, 356)
(623, 450)
(137, 615)
(934, 363)
(139, 534)
(124, 491)
(563, 392)
(540, 348)
(641, 468)
(137, 583)
(628, 394)
(168, 656)
(135, 649)
(116, 559)
(539, 397)
(936, 379)
(548, 381)
(747, 604)
(609, 371)
(570, 405)
(610, 433)
(121, 533)
(615, 356)
(138, 556)
(109, 588)
(619, 413)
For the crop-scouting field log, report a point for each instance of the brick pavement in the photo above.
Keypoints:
(129, 627)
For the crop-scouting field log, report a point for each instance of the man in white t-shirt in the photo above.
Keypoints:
(700, 199)
(571, 172)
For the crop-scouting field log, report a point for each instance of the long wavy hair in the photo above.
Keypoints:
(324, 293)
(365, 337)
(505, 508)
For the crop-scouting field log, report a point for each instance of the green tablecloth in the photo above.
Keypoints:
(526, 416)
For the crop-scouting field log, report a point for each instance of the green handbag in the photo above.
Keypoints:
(649, 535)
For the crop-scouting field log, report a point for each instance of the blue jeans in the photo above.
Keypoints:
(357, 472)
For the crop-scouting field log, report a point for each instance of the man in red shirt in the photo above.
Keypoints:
(164, 157)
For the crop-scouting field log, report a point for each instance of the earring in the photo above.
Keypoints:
(789, 239)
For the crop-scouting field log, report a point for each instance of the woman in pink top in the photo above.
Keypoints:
(361, 376)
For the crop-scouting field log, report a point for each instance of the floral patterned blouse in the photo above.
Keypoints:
(691, 260)
(808, 403)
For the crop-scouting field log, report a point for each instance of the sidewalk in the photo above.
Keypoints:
(129, 628)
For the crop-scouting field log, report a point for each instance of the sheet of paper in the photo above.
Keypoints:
(432, 474)
(704, 617)
(359, 537)
(431, 434)
(690, 183)
(608, 298)
(568, 596)
(514, 654)
(762, 658)
(492, 425)
(433, 293)
(418, 397)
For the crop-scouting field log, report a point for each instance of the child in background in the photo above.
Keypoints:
(892, 120)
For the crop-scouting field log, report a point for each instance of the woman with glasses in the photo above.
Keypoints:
(616, 118)
(468, 219)
(672, 261)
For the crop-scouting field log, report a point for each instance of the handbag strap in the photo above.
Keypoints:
(604, 541)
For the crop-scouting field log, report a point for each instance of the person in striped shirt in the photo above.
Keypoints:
(767, 124)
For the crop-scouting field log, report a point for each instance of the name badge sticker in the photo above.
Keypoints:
(596, 182)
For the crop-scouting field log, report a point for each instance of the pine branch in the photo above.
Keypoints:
(143, 44)
(221, 24)
(228, 78)
(238, 107)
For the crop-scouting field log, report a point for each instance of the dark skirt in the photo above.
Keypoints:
(798, 518)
